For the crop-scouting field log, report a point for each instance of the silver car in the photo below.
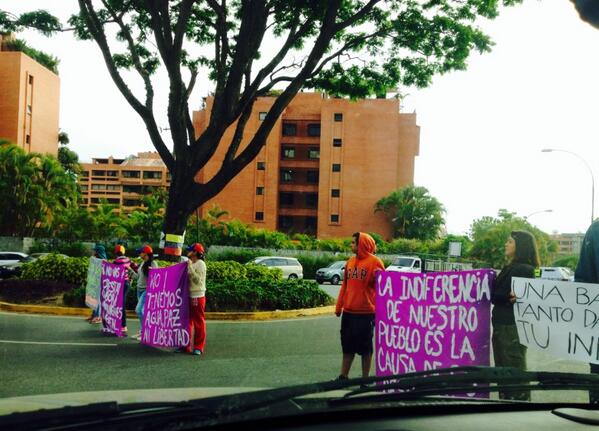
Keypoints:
(290, 266)
(333, 273)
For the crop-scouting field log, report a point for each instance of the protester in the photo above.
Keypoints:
(141, 274)
(356, 302)
(196, 270)
(523, 257)
(121, 259)
(587, 271)
(100, 253)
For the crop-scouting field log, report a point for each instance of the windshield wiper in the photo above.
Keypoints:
(46, 418)
(463, 380)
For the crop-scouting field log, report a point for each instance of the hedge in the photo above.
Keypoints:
(264, 295)
(23, 291)
(54, 267)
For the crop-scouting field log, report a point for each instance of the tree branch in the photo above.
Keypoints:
(97, 30)
(357, 16)
(136, 60)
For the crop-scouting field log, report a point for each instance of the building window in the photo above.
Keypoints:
(338, 116)
(286, 199)
(289, 152)
(131, 174)
(336, 167)
(98, 187)
(287, 176)
(337, 142)
(28, 139)
(132, 189)
(86, 173)
(312, 200)
(259, 216)
(312, 177)
(112, 174)
(98, 173)
(84, 188)
(285, 222)
(334, 218)
(314, 153)
(289, 129)
(31, 79)
(259, 191)
(152, 175)
(261, 116)
(131, 202)
(260, 166)
(314, 129)
(335, 193)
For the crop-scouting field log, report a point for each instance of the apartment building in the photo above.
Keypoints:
(29, 102)
(568, 243)
(122, 182)
(325, 164)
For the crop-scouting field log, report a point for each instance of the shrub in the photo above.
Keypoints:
(226, 270)
(54, 267)
(20, 291)
(75, 297)
(239, 255)
(74, 249)
(251, 295)
(259, 272)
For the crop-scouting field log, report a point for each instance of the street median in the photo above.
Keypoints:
(232, 315)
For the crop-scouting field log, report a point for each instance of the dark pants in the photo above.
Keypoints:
(508, 352)
(125, 290)
(594, 395)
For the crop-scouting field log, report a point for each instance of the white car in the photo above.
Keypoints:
(12, 257)
(557, 273)
(290, 266)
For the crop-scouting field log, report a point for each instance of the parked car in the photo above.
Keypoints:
(332, 273)
(557, 273)
(10, 263)
(290, 266)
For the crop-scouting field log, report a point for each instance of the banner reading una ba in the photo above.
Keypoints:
(432, 320)
(166, 310)
(111, 298)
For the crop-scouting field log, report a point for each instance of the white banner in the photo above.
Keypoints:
(560, 318)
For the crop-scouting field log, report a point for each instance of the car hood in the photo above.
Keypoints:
(54, 401)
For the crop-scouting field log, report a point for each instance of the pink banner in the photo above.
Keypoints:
(112, 285)
(432, 320)
(166, 310)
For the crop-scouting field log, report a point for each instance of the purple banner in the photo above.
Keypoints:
(166, 310)
(432, 320)
(112, 284)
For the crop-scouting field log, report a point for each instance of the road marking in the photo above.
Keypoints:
(56, 343)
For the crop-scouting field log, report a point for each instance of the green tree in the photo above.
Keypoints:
(413, 213)
(145, 223)
(355, 48)
(33, 187)
(73, 224)
(489, 235)
(107, 222)
(67, 157)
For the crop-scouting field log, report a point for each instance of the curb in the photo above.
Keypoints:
(251, 316)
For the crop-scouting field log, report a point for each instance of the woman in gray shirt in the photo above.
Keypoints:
(147, 255)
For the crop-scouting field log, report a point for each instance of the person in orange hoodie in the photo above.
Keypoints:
(356, 302)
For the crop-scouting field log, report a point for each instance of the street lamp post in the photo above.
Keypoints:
(537, 212)
(550, 150)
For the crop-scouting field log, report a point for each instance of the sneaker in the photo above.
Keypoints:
(96, 320)
(136, 336)
(197, 352)
(341, 377)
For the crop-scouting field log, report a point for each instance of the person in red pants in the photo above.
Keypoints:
(196, 270)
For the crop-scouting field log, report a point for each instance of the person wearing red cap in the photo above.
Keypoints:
(196, 270)
(123, 260)
(141, 274)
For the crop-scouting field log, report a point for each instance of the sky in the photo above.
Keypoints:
(482, 130)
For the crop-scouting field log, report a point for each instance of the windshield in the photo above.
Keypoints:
(217, 189)
(403, 261)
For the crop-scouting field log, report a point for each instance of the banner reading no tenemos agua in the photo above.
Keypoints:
(432, 320)
(166, 309)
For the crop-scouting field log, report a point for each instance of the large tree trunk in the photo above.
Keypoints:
(178, 210)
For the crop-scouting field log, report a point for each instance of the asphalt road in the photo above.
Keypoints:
(47, 354)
